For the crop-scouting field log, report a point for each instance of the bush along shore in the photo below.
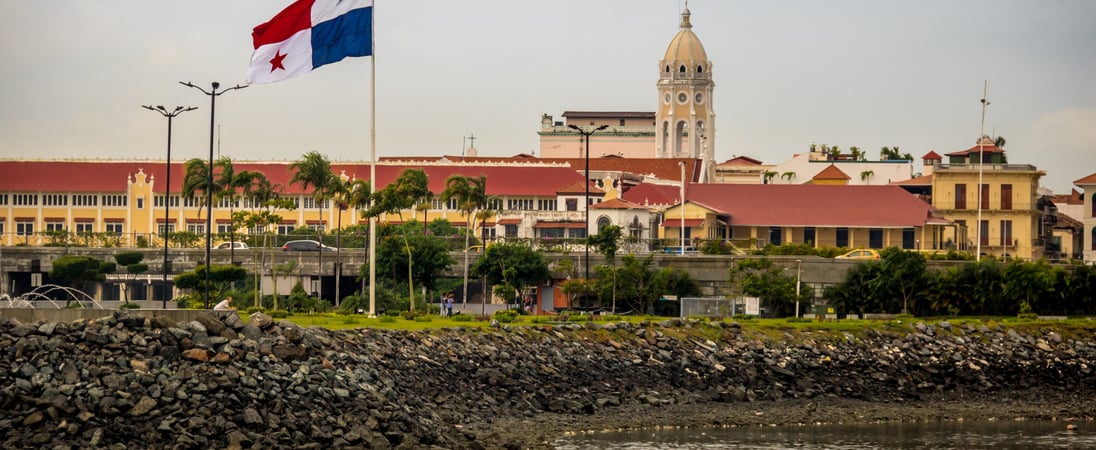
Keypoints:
(219, 382)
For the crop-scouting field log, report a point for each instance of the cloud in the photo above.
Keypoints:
(1066, 140)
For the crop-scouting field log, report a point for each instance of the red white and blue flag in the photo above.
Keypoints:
(309, 34)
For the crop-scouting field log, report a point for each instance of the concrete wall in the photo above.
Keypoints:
(32, 315)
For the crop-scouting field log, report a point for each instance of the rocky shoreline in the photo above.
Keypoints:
(218, 382)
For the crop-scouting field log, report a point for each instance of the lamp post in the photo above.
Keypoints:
(798, 272)
(167, 183)
(209, 182)
(586, 135)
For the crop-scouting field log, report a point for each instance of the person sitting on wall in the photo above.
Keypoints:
(225, 305)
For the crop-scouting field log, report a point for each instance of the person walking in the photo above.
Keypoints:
(449, 304)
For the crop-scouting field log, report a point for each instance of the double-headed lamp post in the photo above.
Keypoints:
(586, 135)
(209, 182)
(167, 182)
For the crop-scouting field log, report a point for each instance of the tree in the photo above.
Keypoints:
(607, 242)
(471, 196)
(902, 275)
(865, 175)
(999, 142)
(230, 185)
(892, 154)
(313, 171)
(761, 278)
(76, 271)
(195, 181)
(221, 279)
(856, 154)
(409, 188)
(512, 267)
(788, 176)
(131, 261)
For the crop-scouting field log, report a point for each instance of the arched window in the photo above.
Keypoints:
(699, 69)
(1093, 240)
(667, 68)
(603, 222)
(681, 69)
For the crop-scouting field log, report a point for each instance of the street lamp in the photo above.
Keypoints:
(798, 264)
(209, 182)
(167, 183)
(586, 135)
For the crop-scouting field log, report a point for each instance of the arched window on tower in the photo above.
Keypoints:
(667, 68)
(681, 69)
(699, 69)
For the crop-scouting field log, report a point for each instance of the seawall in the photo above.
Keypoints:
(218, 382)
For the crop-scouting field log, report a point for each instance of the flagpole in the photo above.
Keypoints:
(373, 162)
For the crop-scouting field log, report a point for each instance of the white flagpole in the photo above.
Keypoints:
(373, 161)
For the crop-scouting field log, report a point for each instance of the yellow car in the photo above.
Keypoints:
(860, 253)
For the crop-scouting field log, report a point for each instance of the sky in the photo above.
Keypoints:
(788, 73)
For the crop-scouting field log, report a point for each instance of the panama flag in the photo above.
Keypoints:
(309, 34)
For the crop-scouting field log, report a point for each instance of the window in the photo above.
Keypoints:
(1006, 196)
(55, 199)
(23, 228)
(1, 228)
(85, 200)
(3, 199)
(191, 202)
(572, 204)
(525, 204)
(84, 227)
(808, 235)
(960, 196)
(286, 228)
(55, 226)
(140, 203)
(984, 197)
(196, 228)
(875, 238)
(1093, 239)
(553, 233)
(603, 222)
(170, 228)
(983, 232)
(908, 240)
(578, 233)
(511, 231)
(681, 69)
(1006, 233)
(316, 227)
(699, 69)
(24, 199)
(224, 228)
(116, 227)
(621, 122)
(115, 200)
(842, 237)
(774, 235)
(546, 204)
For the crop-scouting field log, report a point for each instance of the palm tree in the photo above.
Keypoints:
(409, 189)
(999, 142)
(313, 171)
(196, 180)
(471, 195)
(865, 175)
(229, 185)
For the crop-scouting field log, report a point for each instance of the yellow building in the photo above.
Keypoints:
(1002, 217)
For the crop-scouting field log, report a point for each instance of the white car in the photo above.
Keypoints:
(229, 245)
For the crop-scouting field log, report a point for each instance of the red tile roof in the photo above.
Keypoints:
(661, 168)
(1091, 179)
(578, 187)
(923, 180)
(653, 194)
(111, 176)
(741, 161)
(932, 156)
(616, 203)
(813, 205)
(608, 114)
(984, 149)
(831, 173)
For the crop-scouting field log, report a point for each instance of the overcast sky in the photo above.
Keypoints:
(788, 73)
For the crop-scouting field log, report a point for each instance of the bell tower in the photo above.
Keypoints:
(684, 124)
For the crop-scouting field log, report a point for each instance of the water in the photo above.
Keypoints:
(935, 435)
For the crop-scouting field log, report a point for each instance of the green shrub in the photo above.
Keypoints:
(387, 319)
(279, 314)
(506, 316)
(422, 318)
(462, 318)
(129, 305)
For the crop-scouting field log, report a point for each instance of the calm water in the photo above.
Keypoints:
(941, 435)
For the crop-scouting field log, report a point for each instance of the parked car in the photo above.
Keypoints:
(860, 253)
(228, 245)
(306, 246)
